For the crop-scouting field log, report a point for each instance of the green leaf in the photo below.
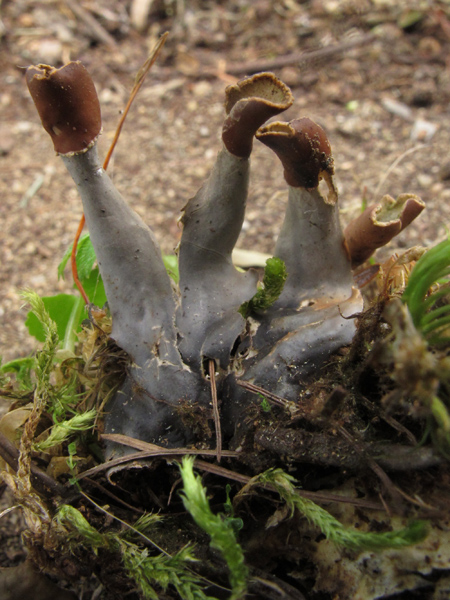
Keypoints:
(85, 258)
(94, 288)
(59, 308)
(171, 264)
(410, 18)
(22, 369)
(18, 365)
(433, 267)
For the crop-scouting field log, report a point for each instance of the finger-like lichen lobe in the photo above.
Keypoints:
(67, 104)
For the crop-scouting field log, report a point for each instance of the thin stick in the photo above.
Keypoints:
(154, 450)
(98, 32)
(169, 454)
(142, 73)
(379, 472)
(113, 496)
(216, 414)
(43, 483)
(396, 162)
(140, 77)
(251, 387)
(8, 510)
(147, 539)
(297, 57)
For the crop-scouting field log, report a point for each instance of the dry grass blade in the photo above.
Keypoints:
(153, 450)
(273, 398)
(215, 407)
(159, 450)
(395, 164)
(298, 58)
(140, 77)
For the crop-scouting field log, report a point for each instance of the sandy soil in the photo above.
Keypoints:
(172, 134)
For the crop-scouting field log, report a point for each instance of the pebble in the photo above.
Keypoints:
(23, 126)
(36, 280)
(429, 47)
(201, 89)
(437, 187)
(423, 131)
(6, 140)
(424, 180)
(46, 51)
(444, 172)
(397, 108)
(351, 128)
(106, 96)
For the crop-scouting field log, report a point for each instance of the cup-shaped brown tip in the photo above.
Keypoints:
(248, 104)
(303, 148)
(378, 224)
(68, 105)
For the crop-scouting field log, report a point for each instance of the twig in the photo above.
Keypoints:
(317, 496)
(102, 488)
(251, 387)
(215, 408)
(8, 510)
(155, 450)
(399, 427)
(31, 191)
(395, 164)
(297, 57)
(98, 32)
(213, 469)
(43, 483)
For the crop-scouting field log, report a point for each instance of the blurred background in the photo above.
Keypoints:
(374, 73)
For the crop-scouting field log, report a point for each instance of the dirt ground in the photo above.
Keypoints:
(377, 80)
(383, 103)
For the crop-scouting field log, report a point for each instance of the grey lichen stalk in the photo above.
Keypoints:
(142, 304)
(137, 285)
(211, 288)
(172, 335)
(311, 319)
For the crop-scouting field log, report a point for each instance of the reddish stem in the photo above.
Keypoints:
(73, 260)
